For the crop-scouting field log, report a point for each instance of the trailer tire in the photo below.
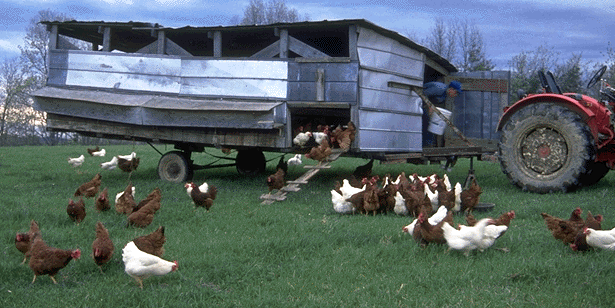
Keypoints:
(175, 167)
(250, 162)
(546, 148)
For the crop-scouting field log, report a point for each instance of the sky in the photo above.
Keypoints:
(508, 26)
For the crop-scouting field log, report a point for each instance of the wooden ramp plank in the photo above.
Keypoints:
(293, 186)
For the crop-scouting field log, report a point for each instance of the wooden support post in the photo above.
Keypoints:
(320, 85)
(161, 43)
(216, 36)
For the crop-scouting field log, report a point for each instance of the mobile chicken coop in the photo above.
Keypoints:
(250, 87)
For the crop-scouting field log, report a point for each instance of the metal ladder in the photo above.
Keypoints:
(293, 186)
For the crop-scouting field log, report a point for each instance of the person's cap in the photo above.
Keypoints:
(455, 85)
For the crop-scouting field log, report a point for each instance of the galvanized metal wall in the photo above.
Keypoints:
(477, 111)
(173, 75)
(389, 119)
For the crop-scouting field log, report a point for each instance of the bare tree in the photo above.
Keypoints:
(259, 12)
(36, 43)
(443, 39)
(16, 83)
(472, 49)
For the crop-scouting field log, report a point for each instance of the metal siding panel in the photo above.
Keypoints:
(261, 88)
(346, 72)
(123, 81)
(397, 102)
(391, 63)
(372, 40)
(340, 81)
(237, 69)
(379, 80)
(334, 91)
(124, 63)
(381, 131)
(379, 141)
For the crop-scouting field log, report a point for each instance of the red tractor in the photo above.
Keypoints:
(557, 141)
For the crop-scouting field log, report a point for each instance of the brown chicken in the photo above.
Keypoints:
(152, 243)
(90, 151)
(128, 165)
(344, 138)
(320, 152)
(445, 197)
(102, 247)
(357, 201)
(89, 189)
(425, 233)
(23, 241)
(580, 240)
(203, 199)
(153, 197)
(503, 220)
(102, 201)
(143, 217)
(125, 204)
(371, 202)
(277, 180)
(47, 260)
(76, 210)
(470, 197)
(564, 230)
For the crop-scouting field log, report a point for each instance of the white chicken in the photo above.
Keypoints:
(294, 161)
(100, 153)
(340, 205)
(433, 196)
(400, 205)
(110, 165)
(447, 182)
(603, 239)
(349, 190)
(118, 195)
(319, 137)
(140, 265)
(467, 238)
(302, 138)
(128, 157)
(76, 162)
(435, 219)
(492, 232)
(458, 190)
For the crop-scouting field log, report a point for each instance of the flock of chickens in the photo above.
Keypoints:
(432, 200)
(142, 256)
(581, 234)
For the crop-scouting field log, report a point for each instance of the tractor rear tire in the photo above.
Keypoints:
(546, 148)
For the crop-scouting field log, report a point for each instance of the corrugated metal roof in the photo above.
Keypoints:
(88, 31)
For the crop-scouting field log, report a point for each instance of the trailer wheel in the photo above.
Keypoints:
(250, 162)
(175, 167)
(546, 148)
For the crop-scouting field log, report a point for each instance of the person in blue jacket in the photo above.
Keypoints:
(437, 92)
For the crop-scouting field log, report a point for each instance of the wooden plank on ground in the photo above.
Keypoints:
(291, 186)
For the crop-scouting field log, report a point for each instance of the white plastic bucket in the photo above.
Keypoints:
(436, 124)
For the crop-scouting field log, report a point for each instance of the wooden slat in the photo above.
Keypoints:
(303, 179)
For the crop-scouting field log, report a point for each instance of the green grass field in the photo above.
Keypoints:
(295, 253)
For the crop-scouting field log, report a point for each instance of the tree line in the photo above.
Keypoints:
(459, 41)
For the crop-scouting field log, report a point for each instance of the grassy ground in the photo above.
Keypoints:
(296, 253)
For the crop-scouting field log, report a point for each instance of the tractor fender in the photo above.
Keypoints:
(582, 108)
